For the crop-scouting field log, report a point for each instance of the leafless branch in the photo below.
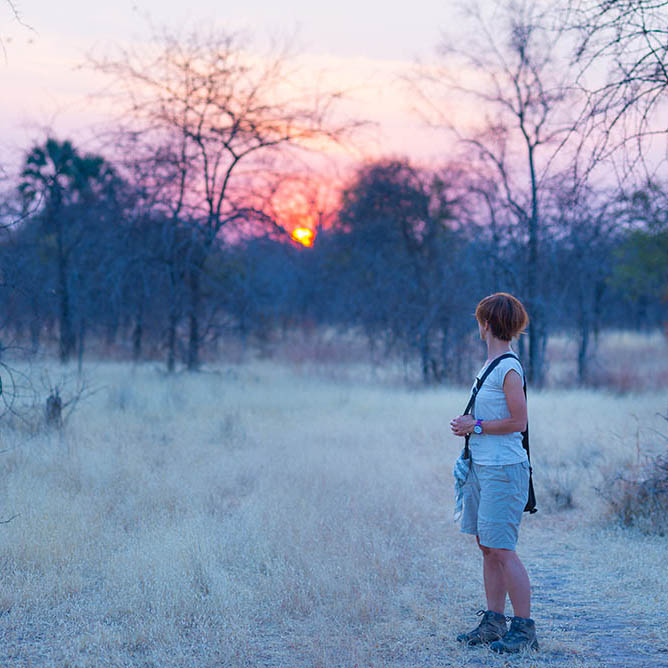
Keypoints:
(629, 40)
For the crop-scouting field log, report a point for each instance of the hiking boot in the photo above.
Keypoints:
(492, 627)
(522, 634)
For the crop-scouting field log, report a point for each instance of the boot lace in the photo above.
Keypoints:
(514, 632)
(486, 616)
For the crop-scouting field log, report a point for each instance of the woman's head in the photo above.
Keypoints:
(504, 314)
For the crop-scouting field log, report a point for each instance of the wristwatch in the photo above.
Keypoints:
(478, 427)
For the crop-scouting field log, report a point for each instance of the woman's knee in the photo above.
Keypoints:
(496, 553)
(486, 551)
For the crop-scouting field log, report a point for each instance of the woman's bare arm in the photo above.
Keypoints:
(513, 388)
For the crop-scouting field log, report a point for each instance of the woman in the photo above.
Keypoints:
(497, 485)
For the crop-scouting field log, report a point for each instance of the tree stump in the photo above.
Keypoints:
(54, 410)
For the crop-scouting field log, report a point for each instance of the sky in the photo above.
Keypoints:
(364, 46)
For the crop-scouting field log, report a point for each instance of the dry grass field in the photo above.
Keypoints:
(265, 515)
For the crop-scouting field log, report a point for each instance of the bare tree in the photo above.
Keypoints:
(623, 53)
(511, 75)
(210, 120)
(588, 224)
(17, 17)
(14, 10)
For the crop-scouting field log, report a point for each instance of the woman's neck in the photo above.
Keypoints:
(496, 347)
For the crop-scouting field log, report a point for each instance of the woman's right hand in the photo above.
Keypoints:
(462, 425)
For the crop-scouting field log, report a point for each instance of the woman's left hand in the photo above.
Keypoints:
(462, 425)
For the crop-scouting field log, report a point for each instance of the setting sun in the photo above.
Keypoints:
(303, 235)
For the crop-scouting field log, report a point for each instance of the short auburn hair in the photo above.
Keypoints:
(505, 314)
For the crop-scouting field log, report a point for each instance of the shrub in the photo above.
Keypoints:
(558, 490)
(638, 497)
(29, 407)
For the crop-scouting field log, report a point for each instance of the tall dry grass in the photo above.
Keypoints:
(256, 515)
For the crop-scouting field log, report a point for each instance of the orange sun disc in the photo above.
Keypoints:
(303, 235)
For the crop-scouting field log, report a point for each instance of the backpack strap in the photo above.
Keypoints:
(474, 393)
(531, 501)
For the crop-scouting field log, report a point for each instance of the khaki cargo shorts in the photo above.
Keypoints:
(494, 500)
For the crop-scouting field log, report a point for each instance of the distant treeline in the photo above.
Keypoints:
(176, 238)
(403, 260)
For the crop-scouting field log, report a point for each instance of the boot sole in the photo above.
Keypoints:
(474, 643)
(505, 650)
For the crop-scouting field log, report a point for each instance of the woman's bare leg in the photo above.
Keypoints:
(503, 572)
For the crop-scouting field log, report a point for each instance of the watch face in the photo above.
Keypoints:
(477, 429)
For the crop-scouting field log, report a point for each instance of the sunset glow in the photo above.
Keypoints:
(44, 73)
(303, 236)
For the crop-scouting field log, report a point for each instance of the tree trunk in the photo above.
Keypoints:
(544, 337)
(35, 328)
(82, 341)
(171, 339)
(65, 331)
(535, 371)
(66, 335)
(583, 350)
(445, 352)
(535, 309)
(424, 357)
(137, 333)
(599, 291)
(193, 342)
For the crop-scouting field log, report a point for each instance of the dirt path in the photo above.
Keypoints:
(580, 606)
(586, 628)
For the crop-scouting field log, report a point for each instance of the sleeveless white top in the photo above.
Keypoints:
(490, 404)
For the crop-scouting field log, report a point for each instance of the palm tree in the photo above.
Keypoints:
(56, 182)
